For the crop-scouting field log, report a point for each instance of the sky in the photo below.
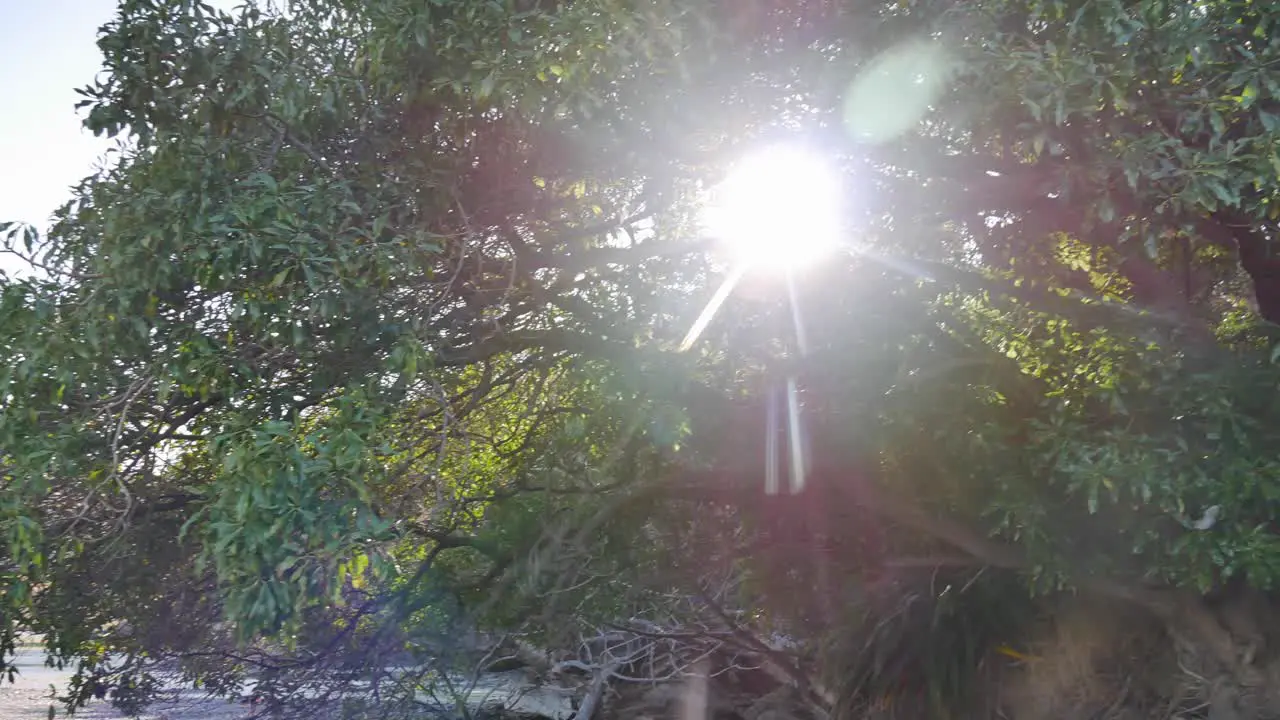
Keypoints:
(49, 50)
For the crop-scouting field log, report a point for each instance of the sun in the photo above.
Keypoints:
(778, 209)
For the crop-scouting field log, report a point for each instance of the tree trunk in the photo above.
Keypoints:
(1263, 265)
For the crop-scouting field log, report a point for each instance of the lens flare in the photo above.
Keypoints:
(896, 91)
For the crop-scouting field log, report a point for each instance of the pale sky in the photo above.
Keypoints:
(50, 49)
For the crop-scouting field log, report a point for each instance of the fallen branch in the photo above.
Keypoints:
(595, 693)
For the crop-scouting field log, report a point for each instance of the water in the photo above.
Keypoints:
(28, 697)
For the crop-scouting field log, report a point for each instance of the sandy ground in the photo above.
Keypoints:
(28, 698)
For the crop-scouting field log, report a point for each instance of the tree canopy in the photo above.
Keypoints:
(371, 331)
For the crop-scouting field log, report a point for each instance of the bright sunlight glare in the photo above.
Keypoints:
(779, 209)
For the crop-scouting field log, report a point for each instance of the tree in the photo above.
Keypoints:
(372, 327)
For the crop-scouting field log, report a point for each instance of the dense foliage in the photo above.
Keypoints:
(369, 332)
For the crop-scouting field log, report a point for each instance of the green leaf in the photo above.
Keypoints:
(265, 180)
(1225, 194)
(1217, 122)
(1250, 95)
(1131, 177)
(486, 85)
(1106, 210)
